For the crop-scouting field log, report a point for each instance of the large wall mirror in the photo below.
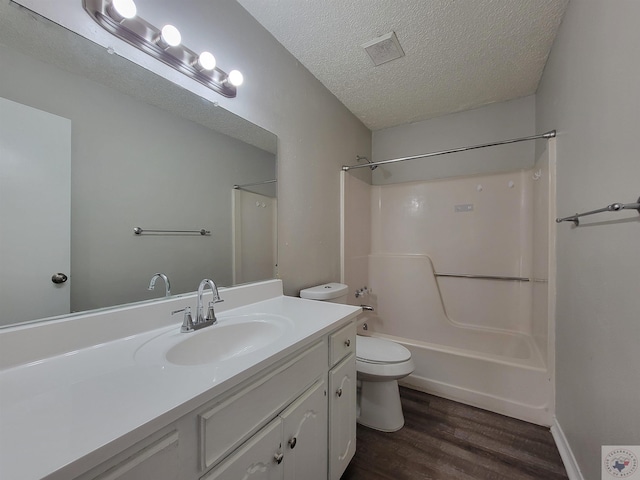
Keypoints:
(94, 146)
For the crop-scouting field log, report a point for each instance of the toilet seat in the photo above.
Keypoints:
(379, 360)
(377, 350)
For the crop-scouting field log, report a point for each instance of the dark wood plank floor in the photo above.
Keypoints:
(445, 440)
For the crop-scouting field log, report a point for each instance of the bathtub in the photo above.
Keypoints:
(491, 368)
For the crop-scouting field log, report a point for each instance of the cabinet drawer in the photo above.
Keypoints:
(227, 424)
(342, 343)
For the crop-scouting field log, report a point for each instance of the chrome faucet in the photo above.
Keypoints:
(211, 316)
(201, 321)
(167, 283)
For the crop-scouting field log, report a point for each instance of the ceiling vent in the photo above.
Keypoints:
(384, 49)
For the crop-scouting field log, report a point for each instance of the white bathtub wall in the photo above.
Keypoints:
(356, 234)
(492, 239)
(409, 305)
(472, 340)
(543, 248)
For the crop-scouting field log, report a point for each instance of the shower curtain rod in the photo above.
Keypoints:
(372, 165)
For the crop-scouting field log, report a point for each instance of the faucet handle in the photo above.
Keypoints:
(211, 316)
(187, 322)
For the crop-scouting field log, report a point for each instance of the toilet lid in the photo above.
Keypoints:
(377, 350)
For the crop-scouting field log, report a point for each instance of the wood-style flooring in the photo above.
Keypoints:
(446, 440)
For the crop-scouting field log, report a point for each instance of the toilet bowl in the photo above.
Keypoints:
(379, 364)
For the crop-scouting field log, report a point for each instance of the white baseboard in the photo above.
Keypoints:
(570, 464)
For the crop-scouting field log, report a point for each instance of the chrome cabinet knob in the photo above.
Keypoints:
(278, 457)
(292, 443)
(339, 392)
(347, 342)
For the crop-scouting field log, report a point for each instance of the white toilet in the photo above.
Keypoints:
(379, 363)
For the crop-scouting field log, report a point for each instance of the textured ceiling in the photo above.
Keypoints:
(459, 54)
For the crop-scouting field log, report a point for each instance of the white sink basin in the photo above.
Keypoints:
(230, 338)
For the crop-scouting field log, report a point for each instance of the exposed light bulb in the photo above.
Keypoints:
(206, 61)
(170, 35)
(121, 10)
(235, 78)
(121, 18)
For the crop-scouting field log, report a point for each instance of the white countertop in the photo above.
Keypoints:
(59, 410)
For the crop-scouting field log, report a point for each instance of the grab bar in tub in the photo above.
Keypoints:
(485, 277)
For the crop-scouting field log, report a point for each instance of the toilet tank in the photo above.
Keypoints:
(328, 292)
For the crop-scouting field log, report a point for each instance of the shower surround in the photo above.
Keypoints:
(484, 342)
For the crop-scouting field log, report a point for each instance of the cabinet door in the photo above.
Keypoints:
(305, 435)
(342, 416)
(260, 458)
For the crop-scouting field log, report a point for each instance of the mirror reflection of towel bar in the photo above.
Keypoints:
(485, 277)
(140, 231)
(238, 187)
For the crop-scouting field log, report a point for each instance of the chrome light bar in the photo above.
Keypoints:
(163, 44)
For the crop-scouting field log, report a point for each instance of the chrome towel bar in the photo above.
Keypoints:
(614, 207)
(485, 277)
(140, 231)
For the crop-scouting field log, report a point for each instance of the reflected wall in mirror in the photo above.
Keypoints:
(142, 153)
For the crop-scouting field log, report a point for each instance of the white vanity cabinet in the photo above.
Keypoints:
(305, 435)
(342, 400)
(272, 426)
(292, 446)
(292, 420)
(284, 411)
(260, 458)
(294, 440)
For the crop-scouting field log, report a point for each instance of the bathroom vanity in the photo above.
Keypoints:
(267, 392)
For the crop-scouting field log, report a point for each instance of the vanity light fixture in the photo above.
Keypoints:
(169, 37)
(120, 18)
(235, 78)
(121, 10)
(206, 61)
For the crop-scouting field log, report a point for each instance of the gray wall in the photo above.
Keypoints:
(499, 121)
(589, 93)
(137, 165)
(316, 136)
